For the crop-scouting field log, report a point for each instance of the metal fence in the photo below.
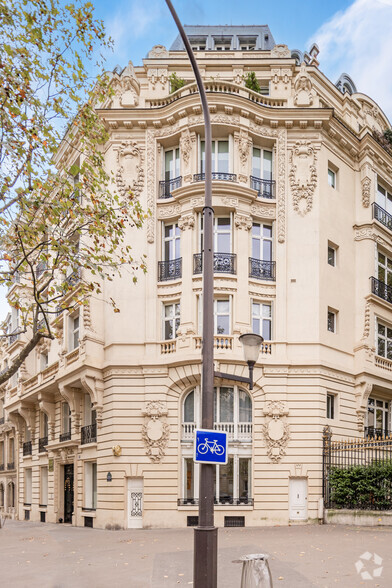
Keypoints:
(366, 465)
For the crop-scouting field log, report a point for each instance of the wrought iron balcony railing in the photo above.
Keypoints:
(265, 188)
(261, 270)
(27, 448)
(169, 270)
(167, 186)
(42, 442)
(382, 216)
(89, 434)
(216, 176)
(224, 263)
(223, 501)
(65, 436)
(381, 290)
(376, 432)
(11, 465)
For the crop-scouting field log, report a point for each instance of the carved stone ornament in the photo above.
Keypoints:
(366, 329)
(157, 75)
(116, 450)
(187, 221)
(243, 222)
(186, 147)
(243, 147)
(303, 94)
(281, 51)
(130, 169)
(303, 176)
(155, 431)
(366, 184)
(158, 51)
(276, 430)
(362, 393)
(126, 88)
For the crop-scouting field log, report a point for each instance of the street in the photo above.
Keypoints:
(60, 556)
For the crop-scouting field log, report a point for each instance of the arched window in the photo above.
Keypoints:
(189, 408)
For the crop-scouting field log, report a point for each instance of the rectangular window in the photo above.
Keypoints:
(244, 479)
(74, 325)
(378, 417)
(43, 500)
(90, 497)
(222, 317)
(262, 242)
(331, 178)
(11, 450)
(171, 320)
(220, 157)
(198, 43)
(44, 361)
(222, 241)
(172, 164)
(171, 242)
(226, 481)
(384, 341)
(262, 163)
(384, 269)
(331, 255)
(28, 485)
(262, 320)
(44, 424)
(189, 479)
(2, 453)
(331, 321)
(330, 406)
(90, 415)
(384, 198)
(222, 43)
(247, 43)
(66, 417)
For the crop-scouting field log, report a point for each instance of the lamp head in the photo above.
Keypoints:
(251, 344)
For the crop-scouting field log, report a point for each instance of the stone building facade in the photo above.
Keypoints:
(102, 419)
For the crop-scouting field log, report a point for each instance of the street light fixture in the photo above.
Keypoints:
(251, 346)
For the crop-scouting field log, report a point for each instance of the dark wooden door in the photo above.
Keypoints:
(68, 492)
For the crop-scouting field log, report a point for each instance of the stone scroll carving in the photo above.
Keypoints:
(362, 393)
(366, 184)
(126, 88)
(276, 430)
(130, 169)
(155, 431)
(303, 90)
(303, 176)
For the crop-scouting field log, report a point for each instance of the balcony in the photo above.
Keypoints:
(216, 176)
(42, 442)
(376, 432)
(264, 188)
(65, 437)
(89, 434)
(27, 448)
(235, 431)
(381, 290)
(224, 263)
(11, 465)
(169, 270)
(261, 270)
(223, 501)
(382, 216)
(167, 186)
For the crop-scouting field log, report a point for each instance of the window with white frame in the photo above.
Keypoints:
(262, 319)
(11, 450)
(331, 178)
(172, 164)
(247, 43)
(90, 414)
(198, 43)
(171, 320)
(262, 163)
(261, 242)
(222, 324)
(378, 411)
(65, 418)
(74, 331)
(90, 485)
(384, 340)
(171, 241)
(222, 234)
(222, 43)
(44, 360)
(384, 198)
(331, 320)
(220, 153)
(44, 425)
(384, 269)
(332, 252)
(330, 406)
(28, 486)
(43, 499)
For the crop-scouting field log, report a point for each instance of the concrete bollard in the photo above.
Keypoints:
(255, 571)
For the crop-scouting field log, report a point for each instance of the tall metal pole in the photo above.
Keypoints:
(206, 535)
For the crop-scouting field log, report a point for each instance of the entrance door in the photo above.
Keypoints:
(135, 503)
(298, 499)
(68, 492)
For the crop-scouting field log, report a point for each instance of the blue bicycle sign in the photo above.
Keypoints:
(210, 446)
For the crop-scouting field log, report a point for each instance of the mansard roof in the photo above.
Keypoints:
(262, 34)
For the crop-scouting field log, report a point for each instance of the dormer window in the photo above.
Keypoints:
(222, 43)
(247, 43)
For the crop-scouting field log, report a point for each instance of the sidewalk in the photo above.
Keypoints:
(38, 555)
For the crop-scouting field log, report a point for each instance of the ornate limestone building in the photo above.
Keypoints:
(102, 419)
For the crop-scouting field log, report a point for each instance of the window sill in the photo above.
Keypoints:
(89, 512)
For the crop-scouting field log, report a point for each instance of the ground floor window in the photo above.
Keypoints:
(11, 495)
(378, 417)
(44, 486)
(90, 494)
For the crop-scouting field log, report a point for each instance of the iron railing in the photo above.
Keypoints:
(224, 263)
(382, 216)
(89, 434)
(381, 290)
(376, 432)
(167, 186)
(42, 442)
(65, 436)
(265, 188)
(27, 448)
(223, 501)
(11, 465)
(261, 270)
(216, 176)
(357, 455)
(169, 270)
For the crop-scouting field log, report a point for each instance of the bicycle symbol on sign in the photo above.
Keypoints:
(212, 446)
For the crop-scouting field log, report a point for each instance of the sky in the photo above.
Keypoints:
(353, 35)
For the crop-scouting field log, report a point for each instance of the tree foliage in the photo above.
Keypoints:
(175, 82)
(251, 82)
(63, 227)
